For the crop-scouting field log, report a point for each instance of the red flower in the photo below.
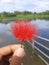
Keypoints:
(24, 30)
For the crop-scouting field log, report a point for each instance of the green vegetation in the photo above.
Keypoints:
(11, 16)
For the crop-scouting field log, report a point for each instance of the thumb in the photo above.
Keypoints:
(17, 57)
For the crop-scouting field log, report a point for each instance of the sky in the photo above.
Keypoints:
(24, 5)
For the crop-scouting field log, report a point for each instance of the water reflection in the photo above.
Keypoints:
(42, 24)
(6, 37)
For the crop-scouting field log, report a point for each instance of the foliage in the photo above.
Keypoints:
(10, 16)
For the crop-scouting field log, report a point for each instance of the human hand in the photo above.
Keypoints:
(12, 54)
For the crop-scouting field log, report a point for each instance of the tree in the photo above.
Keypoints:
(26, 12)
(17, 12)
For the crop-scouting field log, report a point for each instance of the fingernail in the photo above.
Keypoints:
(20, 52)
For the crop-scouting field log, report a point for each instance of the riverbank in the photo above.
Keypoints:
(19, 17)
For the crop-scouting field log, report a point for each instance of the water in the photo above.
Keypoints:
(6, 37)
(43, 26)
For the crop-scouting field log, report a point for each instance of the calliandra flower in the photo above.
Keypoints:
(24, 30)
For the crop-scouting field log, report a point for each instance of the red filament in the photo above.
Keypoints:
(24, 30)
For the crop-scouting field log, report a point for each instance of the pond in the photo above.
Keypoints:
(6, 37)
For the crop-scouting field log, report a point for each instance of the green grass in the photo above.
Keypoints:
(31, 16)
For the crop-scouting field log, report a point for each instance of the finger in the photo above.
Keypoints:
(17, 57)
(9, 49)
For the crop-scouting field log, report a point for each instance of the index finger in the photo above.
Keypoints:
(9, 49)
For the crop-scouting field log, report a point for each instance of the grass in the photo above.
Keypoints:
(30, 17)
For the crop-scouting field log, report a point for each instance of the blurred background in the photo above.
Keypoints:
(35, 11)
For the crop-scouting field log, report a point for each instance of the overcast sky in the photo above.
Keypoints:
(22, 5)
